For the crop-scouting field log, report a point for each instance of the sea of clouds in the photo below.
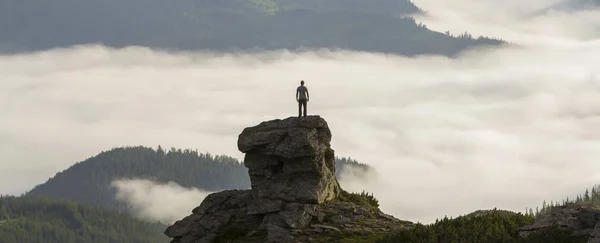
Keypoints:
(504, 128)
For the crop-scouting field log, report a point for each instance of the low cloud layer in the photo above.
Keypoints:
(154, 202)
(504, 128)
(169, 202)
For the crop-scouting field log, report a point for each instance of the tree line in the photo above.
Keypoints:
(90, 181)
(43, 220)
(495, 225)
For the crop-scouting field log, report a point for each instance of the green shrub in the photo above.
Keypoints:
(485, 226)
(363, 199)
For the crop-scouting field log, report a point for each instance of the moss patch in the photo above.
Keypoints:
(362, 199)
(355, 237)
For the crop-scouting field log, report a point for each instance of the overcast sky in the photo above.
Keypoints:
(504, 128)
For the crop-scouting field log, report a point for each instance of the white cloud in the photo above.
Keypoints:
(166, 202)
(502, 128)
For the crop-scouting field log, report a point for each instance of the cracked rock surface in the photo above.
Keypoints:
(290, 160)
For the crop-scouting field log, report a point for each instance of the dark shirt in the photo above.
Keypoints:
(303, 92)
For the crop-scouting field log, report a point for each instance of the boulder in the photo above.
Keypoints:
(290, 160)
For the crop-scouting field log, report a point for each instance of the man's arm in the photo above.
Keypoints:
(297, 93)
(307, 95)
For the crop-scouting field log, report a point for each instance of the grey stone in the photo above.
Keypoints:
(257, 162)
(224, 200)
(595, 234)
(290, 160)
(339, 219)
(311, 209)
(321, 217)
(184, 226)
(273, 218)
(290, 138)
(296, 219)
(277, 234)
(264, 206)
(317, 229)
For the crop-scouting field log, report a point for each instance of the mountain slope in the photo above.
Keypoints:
(32, 219)
(337, 30)
(223, 25)
(389, 7)
(90, 181)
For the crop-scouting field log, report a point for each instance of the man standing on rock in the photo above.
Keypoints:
(302, 97)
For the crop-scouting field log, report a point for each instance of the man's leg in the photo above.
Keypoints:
(305, 103)
(299, 108)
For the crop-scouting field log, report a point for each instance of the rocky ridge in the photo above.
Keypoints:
(295, 196)
(571, 222)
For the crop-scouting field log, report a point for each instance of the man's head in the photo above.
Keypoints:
(302, 82)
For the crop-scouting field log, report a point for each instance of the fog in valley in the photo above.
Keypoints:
(506, 127)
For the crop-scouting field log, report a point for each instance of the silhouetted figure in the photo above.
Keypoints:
(302, 97)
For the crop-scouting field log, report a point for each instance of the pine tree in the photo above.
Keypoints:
(587, 196)
(544, 205)
(160, 151)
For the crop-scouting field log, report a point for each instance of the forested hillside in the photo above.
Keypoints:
(40, 220)
(494, 225)
(589, 197)
(491, 226)
(224, 25)
(90, 180)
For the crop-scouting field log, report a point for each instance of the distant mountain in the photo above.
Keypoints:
(90, 181)
(224, 25)
(300, 29)
(386, 7)
(32, 219)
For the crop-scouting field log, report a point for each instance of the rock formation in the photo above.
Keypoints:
(289, 161)
(295, 196)
(580, 223)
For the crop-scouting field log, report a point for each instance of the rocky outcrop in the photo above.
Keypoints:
(575, 220)
(290, 161)
(295, 196)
